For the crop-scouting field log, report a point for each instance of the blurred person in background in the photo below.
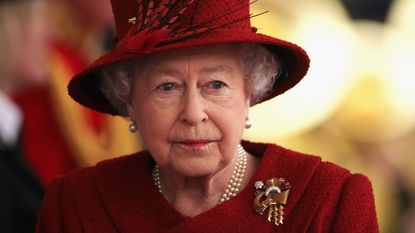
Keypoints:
(23, 46)
(59, 131)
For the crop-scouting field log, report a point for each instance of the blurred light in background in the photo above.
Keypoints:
(325, 33)
(356, 106)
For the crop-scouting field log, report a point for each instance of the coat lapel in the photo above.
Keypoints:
(130, 197)
(135, 205)
(237, 214)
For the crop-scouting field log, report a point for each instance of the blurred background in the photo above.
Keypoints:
(356, 107)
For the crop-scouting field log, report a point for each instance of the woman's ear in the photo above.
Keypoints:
(131, 111)
(248, 101)
(247, 90)
(247, 105)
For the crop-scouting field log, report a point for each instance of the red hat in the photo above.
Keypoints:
(146, 27)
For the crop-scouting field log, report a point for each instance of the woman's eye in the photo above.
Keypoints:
(166, 87)
(217, 84)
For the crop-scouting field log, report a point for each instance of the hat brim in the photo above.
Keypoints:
(85, 86)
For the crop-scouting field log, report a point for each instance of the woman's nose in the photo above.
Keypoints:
(194, 109)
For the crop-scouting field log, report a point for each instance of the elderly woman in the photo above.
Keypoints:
(186, 73)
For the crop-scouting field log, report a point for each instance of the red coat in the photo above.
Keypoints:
(118, 195)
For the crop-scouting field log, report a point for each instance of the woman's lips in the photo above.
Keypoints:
(196, 143)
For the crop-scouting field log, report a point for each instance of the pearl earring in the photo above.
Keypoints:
(248, 123)
(132, 127)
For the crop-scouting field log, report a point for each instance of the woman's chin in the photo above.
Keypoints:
(196, 167)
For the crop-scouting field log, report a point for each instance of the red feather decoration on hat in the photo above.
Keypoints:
(162, 22)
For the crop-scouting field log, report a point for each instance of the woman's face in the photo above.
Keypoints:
(190, 107)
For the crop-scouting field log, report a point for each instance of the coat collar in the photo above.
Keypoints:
(135, 205)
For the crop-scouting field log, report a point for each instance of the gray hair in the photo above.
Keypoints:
(260, 69)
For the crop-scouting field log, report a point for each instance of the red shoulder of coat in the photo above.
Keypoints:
(120, 193)
(324, 197)
(85, 198)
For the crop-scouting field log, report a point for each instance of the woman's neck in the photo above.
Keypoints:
(192, 196)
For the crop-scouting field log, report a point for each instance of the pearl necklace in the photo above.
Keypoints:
(234, 183)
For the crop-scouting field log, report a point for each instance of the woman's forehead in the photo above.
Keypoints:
(207, 58)
(218, 51)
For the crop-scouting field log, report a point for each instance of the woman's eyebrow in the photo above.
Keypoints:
(170, 71)
(215, 68)
(177, 72)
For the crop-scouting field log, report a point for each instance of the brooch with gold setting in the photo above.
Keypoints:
(272, 195)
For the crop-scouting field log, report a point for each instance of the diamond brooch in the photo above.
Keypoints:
(271, 196)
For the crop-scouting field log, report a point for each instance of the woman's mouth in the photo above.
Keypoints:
(195, 144)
